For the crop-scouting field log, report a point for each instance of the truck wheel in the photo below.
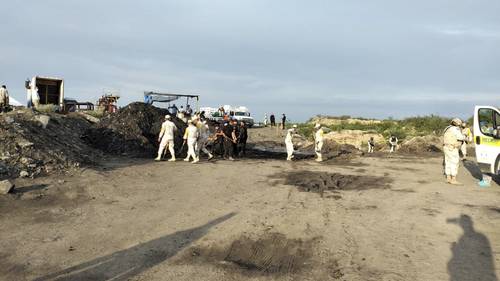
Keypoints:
(497, 166)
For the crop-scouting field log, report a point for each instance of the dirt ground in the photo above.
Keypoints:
(369, 218)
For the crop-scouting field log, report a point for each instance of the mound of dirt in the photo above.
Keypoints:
(133, 130)
(419, 145)
(321, 181)
(356, 138)
(332, 149)
(34, 144)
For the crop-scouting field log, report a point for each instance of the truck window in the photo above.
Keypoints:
(486, 121)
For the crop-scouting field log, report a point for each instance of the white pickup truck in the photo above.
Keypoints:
(487, 137)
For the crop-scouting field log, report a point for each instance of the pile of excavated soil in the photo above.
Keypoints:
(419, 145)
(356, 138)
(332, 149)
(133, 130)
(35, 144)
(321, 181)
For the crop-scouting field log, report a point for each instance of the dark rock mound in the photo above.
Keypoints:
(133, 130)
(34, 144)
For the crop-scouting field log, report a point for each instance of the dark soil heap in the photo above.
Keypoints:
(133, 130)
(422, 145)
(321, 181)
(35, 144)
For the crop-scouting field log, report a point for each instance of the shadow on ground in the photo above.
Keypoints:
(472, 255)
(473, 169)
(130, 262)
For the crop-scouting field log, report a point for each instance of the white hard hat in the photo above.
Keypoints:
(294, 126)
(317, 126)
(167, 116)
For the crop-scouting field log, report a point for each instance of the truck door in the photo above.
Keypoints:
(487, 134)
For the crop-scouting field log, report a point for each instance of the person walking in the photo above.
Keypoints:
(272, 118)
(289, 142)
(283, 121)
(453, 139)
(371, 145)
(393, 141)
(318, 141)
(191, 138)
(166, 139)
(203, 139)
(468, 139)
(265, 120)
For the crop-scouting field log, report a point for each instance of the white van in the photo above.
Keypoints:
(487, 137)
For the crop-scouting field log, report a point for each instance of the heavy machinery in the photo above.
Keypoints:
(109, 102)
(487, 137)
(152, 97)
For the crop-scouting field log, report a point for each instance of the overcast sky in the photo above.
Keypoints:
(362, 58)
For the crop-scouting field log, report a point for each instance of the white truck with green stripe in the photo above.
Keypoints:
(487, 137)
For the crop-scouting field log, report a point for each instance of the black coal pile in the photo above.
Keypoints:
(133, 131)
(35, 144)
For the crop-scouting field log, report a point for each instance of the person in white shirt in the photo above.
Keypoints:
(318, 142)
(191, 137)
(166, 138)
(4, 98)
(289, 142)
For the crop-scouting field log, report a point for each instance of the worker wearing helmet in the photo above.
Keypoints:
(166, 138)
(191, 136)
(289, 142)
(318, 141)
(453, 139)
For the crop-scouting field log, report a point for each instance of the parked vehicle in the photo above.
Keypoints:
(487, 137)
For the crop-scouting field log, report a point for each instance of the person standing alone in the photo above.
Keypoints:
(4, 99)
(393, 141)
(318, 142)
(272, 118)
(283, 121)
(289, 143)
(453, 139)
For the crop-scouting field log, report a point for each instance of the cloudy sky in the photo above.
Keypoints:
(385, 58)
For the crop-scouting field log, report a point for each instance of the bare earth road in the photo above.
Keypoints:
(248, 220)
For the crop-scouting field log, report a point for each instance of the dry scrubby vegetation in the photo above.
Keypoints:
(408, 127)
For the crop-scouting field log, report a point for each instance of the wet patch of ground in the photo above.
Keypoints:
(320, 182)
(272, 253)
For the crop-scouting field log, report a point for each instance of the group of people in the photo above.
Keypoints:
(456, 138)
(393, 144)
(272, 120)
(228, 139)
(318, 142)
